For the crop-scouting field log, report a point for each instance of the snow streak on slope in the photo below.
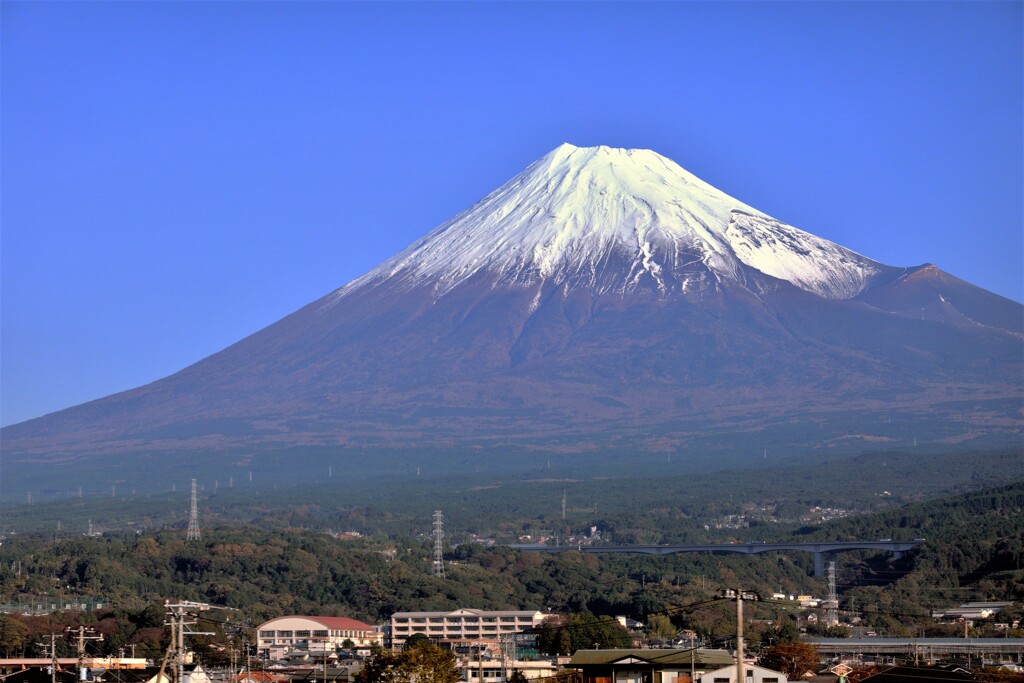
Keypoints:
(615, 220)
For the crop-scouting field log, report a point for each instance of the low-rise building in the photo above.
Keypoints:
(972, 611)
(461, 624)
(752, 674)
(646, 666)
(315, 634)
(496, 671)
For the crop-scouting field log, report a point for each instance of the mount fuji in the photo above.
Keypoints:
(602, 300)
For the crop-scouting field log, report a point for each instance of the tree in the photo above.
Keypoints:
(784, 631)
(793, 659)
(993, 674)
(14, 636)
(581, 631)
(416, 640)
(423, 663)
(835, 631)
(660, 626)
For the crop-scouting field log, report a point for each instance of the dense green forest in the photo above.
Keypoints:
(667, 502)
(974, 549)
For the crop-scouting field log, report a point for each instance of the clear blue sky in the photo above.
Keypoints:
(177, 176)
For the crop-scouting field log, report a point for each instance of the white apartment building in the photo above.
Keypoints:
(462, 624)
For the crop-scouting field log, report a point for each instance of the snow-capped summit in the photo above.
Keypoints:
(616, 221)
(602, 304)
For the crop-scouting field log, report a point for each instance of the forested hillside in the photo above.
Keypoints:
(974, 549)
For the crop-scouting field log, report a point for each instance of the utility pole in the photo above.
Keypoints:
(181, 615)
(480, 659)
(53, 656)
(84, 634)
(738, 595)
(740, 678)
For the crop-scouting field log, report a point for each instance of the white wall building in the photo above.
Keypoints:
(752, 674)
(314, 633)
(462, 624)
(492, 670)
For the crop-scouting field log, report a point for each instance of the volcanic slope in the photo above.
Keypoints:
(601, 299)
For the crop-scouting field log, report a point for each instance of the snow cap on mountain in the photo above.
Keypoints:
(617, 220)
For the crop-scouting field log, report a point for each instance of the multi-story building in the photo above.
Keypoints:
(462, 624)
(314, 633)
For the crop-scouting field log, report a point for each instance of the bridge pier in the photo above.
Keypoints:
(897, 554)
(820, 558)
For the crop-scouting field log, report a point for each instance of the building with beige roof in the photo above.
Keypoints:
(316, 634)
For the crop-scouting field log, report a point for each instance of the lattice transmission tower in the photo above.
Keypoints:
(438, 544)
(193, 518)
(832, 603)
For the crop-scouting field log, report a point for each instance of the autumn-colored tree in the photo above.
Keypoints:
(793, 659)
(14, 636)
(994, 674)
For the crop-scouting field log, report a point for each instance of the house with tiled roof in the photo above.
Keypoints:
(318, 635)
(259, 677)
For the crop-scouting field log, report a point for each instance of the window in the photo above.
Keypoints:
(773, 679)
(320, 634)
(267, 634)
(721, 680)
(302, 634)
(284, 634)
(402, 620)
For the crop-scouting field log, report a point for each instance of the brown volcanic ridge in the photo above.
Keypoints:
(601, 299)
